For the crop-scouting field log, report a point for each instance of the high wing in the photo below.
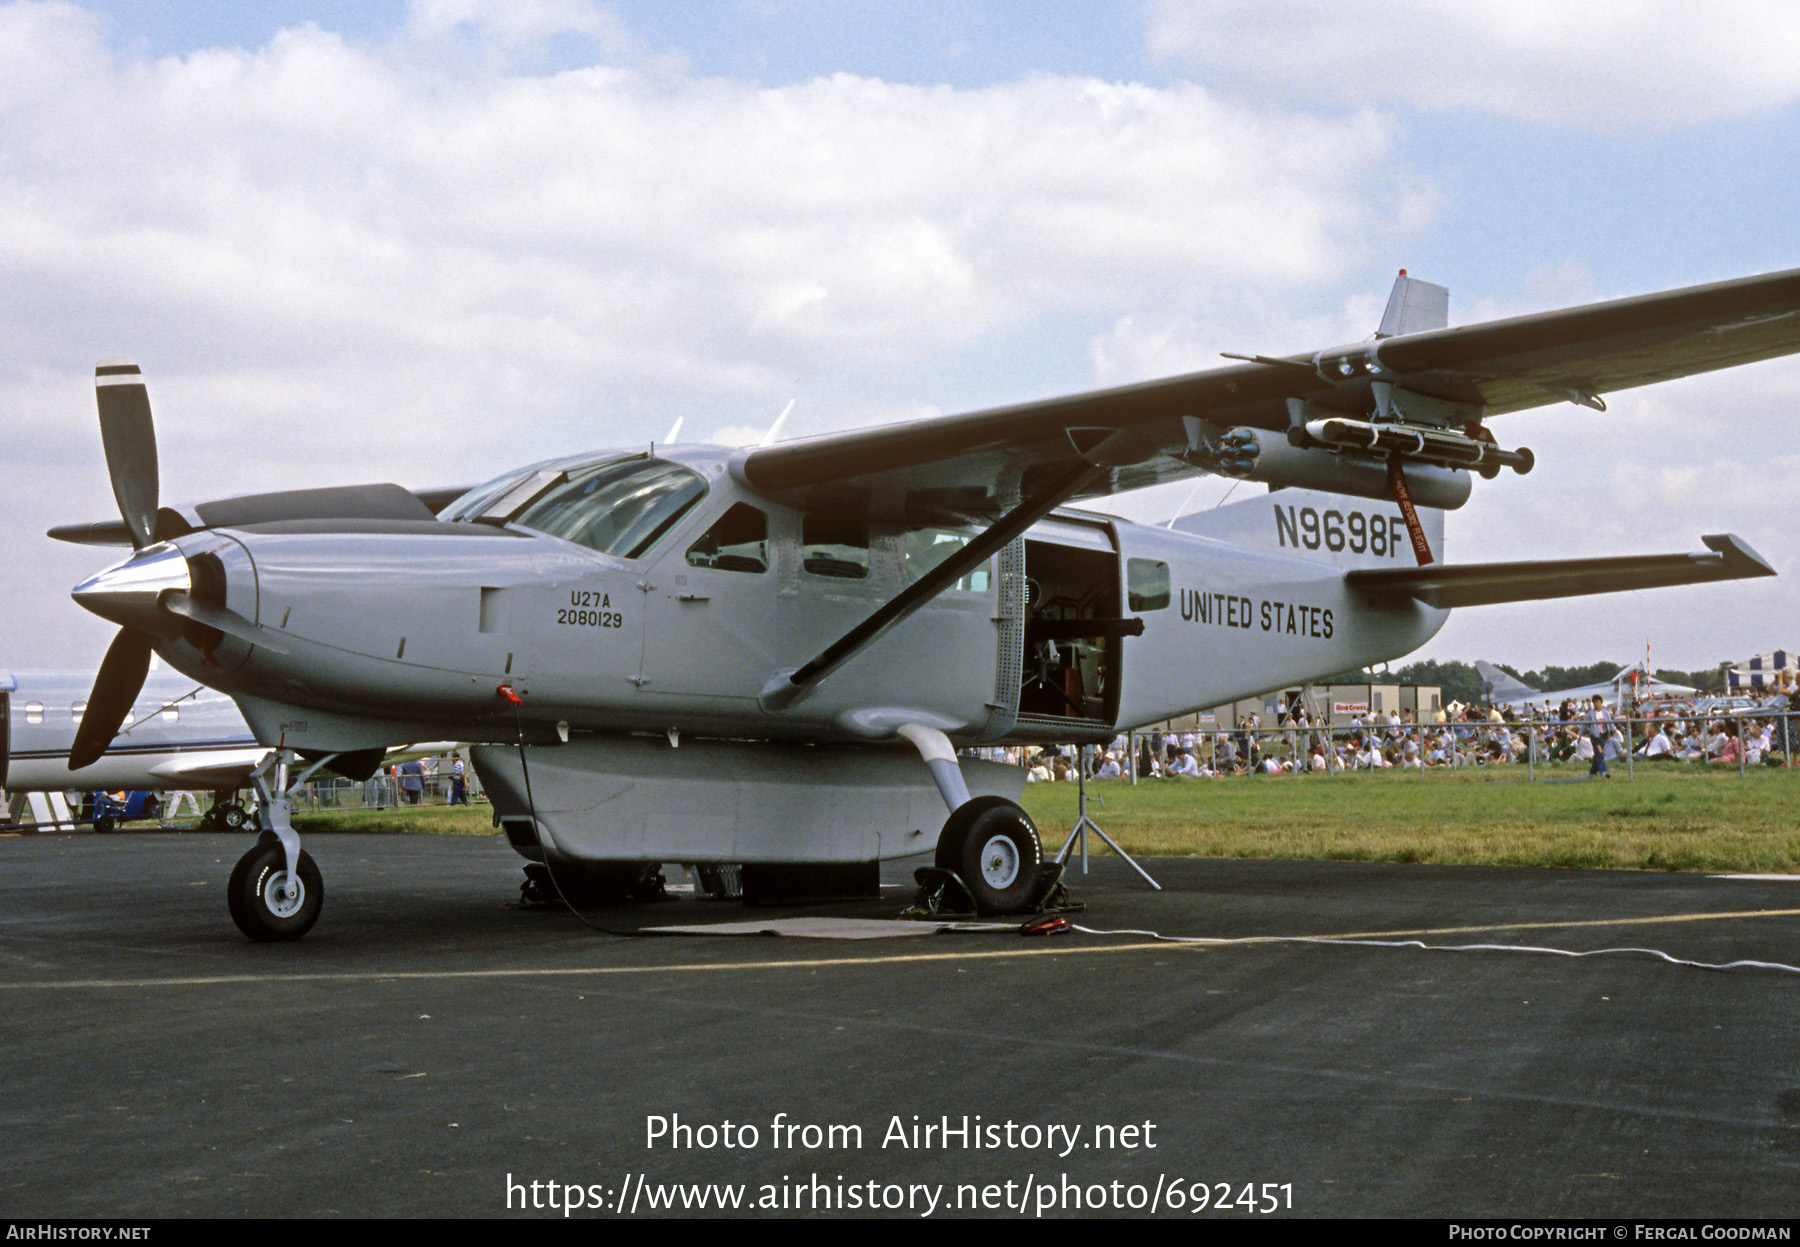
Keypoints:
(974, 466)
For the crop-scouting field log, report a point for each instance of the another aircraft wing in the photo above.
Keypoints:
(211, 769)
(1483, 584)
(969, 466)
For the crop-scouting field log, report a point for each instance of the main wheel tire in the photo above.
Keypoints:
(993, 847)
(232, 816)
(256, 896)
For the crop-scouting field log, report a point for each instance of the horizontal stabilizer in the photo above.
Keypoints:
(1484, 584)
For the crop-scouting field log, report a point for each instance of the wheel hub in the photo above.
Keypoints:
(283, 899)
(999, 863)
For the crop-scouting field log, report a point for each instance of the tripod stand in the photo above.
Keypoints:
(1084, 823)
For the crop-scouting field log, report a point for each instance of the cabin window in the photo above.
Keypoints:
(77, 709)
(835, 546)
(928, 547)
(618, 508)
(1146, 585)
(738, 542)
(34, 712)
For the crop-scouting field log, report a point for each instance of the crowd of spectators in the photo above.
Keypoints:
(1458, 735)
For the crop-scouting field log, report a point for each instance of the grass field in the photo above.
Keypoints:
(1671, 818)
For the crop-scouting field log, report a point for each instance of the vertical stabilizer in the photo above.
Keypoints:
(1414, 307)
(1502, 687)
(1317, 526)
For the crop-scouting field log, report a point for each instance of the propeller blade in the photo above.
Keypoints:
(121, 678)
(129, 437)
(227, 621)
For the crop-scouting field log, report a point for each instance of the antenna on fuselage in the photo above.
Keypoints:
(1186, 502)
(775, 429)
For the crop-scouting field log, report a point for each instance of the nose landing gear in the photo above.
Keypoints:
(267, 903)
(275, 892)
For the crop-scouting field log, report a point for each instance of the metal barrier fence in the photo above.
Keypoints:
(1472, 744)
(381, 791)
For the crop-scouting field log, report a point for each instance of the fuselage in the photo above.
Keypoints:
(636, 593)
(180, 734)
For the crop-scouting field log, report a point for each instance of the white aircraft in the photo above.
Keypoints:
(1504, 690)
(177, 735)
(771, 655)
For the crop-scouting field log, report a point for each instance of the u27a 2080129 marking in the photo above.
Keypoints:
(588, 609)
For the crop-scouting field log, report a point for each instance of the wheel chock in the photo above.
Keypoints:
(941, 892)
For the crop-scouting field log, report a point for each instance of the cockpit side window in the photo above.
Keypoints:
(835, 546)
(737, 542)
(618, 508)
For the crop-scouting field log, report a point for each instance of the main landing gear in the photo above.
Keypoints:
(275, 892)
(992, 846)
(989, 858)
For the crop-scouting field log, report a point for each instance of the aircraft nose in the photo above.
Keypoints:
(129, 593)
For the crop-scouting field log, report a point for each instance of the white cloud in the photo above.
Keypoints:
(533, 241)
(419, 261)
(1245, 322)
(1599, 65)
(1662, 466)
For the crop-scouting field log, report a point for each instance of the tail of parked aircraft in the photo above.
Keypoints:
(1503, 687)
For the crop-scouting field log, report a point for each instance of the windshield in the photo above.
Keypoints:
(482, 497)
(618, 508)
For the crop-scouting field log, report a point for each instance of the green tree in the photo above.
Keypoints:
(1458, 680)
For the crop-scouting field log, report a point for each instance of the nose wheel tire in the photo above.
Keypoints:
(993, 847)
(266, 906)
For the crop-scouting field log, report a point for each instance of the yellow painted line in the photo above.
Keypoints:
(1043, 949)
(1541, 926)
(377, 976)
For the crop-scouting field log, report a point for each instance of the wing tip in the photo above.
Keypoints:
(1743, 561)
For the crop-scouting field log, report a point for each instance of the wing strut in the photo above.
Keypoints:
(787, 688)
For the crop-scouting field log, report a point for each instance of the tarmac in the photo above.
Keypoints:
(431, 1049)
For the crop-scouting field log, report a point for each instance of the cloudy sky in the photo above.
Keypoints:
(424, 242)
